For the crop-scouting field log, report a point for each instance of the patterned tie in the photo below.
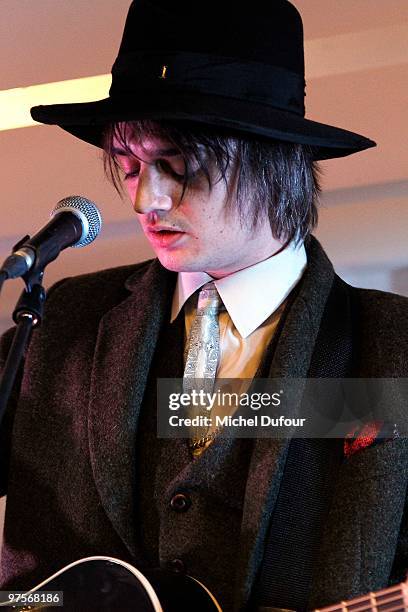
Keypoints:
(203, 352)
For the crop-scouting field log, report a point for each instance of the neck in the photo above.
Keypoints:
(217, 274)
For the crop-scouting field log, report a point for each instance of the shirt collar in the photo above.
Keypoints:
(270, 281)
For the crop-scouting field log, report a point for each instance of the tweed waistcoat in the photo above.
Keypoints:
(202, 537)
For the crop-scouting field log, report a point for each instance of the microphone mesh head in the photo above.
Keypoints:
(87, 211)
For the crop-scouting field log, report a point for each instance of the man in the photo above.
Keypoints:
(205, 125)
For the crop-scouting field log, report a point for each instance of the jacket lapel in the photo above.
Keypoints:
(125, 346)
(292, 359)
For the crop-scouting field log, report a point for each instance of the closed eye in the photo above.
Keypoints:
(130, 175)
(161, 164)
(165, 166)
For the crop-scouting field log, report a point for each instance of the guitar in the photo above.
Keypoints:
(106, 584)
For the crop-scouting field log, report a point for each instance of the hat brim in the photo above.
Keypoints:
(86, 120)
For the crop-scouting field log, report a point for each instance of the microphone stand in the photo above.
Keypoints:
(27, 315)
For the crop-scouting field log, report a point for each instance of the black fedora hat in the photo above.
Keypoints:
(213, 64)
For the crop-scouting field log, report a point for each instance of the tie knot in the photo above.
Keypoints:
(209, 300)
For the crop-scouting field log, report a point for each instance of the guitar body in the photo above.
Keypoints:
(105, 584)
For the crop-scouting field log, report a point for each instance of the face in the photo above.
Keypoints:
(196, 233)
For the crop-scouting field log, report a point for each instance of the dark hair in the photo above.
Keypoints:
(273, 179)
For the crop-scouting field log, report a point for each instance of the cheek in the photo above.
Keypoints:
(207, 216)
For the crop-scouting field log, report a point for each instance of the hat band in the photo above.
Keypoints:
(137, 72)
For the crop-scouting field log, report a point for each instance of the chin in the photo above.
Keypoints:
(176, 264)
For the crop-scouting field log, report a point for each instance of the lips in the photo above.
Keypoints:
(165, 236)
(163, 228)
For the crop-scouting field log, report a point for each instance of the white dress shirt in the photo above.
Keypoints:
(250, 296)
(254, 299)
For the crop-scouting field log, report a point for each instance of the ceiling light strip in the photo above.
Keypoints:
(15, 104)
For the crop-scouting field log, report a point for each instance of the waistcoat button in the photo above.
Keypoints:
(177, 566)
(180, 502)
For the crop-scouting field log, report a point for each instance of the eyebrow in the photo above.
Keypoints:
(172, 152)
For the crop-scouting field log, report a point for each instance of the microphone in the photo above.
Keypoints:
(75, 222)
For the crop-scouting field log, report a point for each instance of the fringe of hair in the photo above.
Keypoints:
(273, 179)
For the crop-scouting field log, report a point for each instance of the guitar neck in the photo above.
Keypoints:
(392, 599)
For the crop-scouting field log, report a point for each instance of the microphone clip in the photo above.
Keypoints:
(20, 243)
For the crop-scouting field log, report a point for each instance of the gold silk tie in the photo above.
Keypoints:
(202, 354)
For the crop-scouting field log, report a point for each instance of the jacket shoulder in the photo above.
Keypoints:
(101, 289)
(113, 277)
(386, 310)
(383, 330)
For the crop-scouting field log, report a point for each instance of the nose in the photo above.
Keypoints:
(155, 191)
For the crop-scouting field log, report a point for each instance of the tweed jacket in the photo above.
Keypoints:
(68, 466)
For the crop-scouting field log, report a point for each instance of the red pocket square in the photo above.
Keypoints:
(369, 434)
